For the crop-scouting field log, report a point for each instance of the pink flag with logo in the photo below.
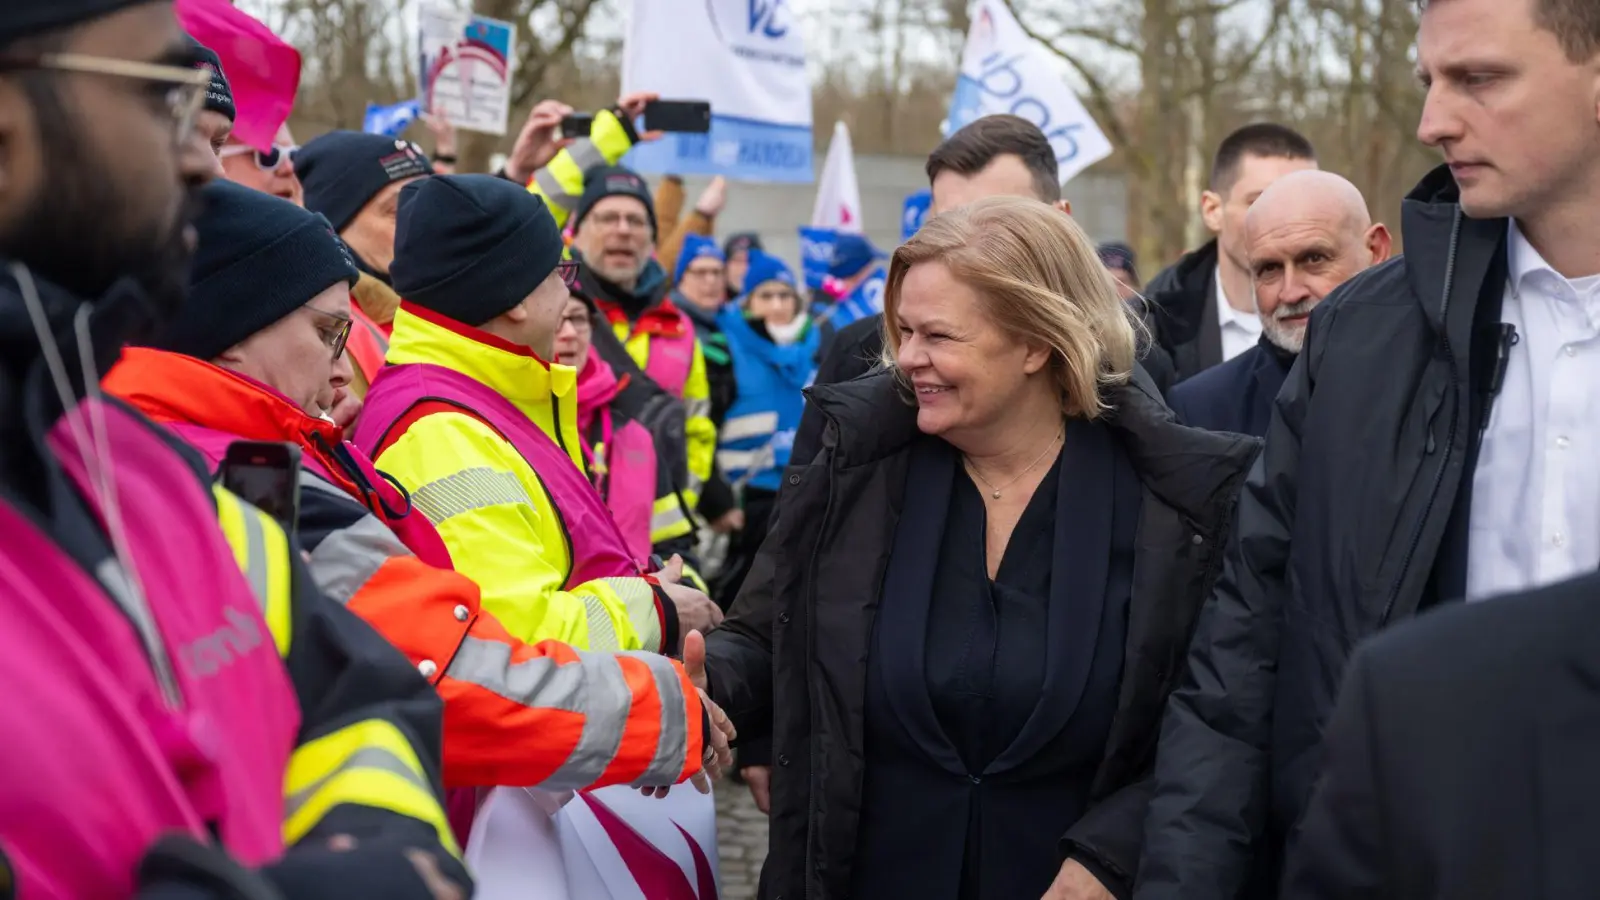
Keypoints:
(263, 71)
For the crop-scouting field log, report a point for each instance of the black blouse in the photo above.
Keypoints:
(987, 639)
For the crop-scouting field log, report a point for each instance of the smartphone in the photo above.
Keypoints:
(680, 116)
(265, 474)
(576, 125)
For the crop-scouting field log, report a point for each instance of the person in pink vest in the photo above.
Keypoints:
(470, 416)
(632, 433)
(186, 714)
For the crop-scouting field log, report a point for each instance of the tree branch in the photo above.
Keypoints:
(1099, 98)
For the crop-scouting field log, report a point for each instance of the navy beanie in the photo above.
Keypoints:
(742, 242)
(219, 96)
(259, 259)
(470, 247)
(342, 170)
(24, 18)
(1117, 255)
(601, 182)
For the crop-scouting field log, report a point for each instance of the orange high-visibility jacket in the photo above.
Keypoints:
(516, 713)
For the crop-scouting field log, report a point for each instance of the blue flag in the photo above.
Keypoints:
(865, 301)
(393, 119)
(916, 211)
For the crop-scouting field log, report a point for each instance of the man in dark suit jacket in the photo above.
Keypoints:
(1307, 234)
(1463, 760)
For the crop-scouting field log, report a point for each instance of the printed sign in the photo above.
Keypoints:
(466, 70)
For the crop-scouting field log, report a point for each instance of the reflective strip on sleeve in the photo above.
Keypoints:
(672, 747)
(586, 155)
(462, 492)
(754, 425)
(639, 601)
(261, 550)
(349, 557)
(369, 763)
(667, 520)
(744, 460)
(700, 408)
(602, 631)
(607, 689)
(547, 185)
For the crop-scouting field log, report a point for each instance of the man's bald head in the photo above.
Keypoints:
(1306, 234)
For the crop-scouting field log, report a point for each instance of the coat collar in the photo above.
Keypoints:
(513, 372)
(1194, 471)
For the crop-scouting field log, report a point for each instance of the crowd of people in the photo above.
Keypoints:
(1042, 582)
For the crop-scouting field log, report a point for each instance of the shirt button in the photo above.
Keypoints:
(1558, 539)
(1197, 540)
(461, 613)
(1570, 350)
(428, 668)
(1563, 442)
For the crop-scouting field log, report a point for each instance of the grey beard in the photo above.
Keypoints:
(1286, 337)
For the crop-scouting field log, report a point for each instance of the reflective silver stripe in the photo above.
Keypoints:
(586, 155)
(667, 518)
(605, 688)
(539, 682)
(639, 602)
(467, 490)
(673, 745)
(365, 758)
(255, 543)
(743, 428)
(700, 408)
(602, 631)
(551, 187)
(347, 558)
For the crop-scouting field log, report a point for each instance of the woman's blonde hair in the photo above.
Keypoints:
(1041, 282)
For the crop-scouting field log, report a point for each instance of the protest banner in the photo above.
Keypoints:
(1005, 71)
(746, 57)
(466, 67)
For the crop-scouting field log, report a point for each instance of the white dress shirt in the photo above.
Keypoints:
(1535, 515)
(1240, 331)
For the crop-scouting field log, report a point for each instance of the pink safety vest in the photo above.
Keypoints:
(671, 358)
(412, 528)
(598, 548)
(96, 764)
(623, 460)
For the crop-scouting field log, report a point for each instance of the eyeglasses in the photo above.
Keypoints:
(337, 335)
(186, 88)
(266, 160)
(580, 322)
(710, 274)
(613, 219)
(568, 270)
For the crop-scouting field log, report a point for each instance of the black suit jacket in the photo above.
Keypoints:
(1463, 760)
(1235, 396)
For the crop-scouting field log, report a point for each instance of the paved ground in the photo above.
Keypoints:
(741, 840)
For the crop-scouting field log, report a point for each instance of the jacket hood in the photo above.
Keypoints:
(1196, 472)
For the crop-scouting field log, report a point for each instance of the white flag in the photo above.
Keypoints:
(1005, 71)
(838, 195)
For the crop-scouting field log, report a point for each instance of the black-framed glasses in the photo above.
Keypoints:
(266, 160)
(336, 336)
(568, 269)
(185, 95)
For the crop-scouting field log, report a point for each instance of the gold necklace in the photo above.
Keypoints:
(995, 491)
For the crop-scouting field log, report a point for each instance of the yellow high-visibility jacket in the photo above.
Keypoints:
(368, 760)
(561, 182)
(489, 505)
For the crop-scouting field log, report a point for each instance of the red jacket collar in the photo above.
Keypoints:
(664, 319)
(171, 387)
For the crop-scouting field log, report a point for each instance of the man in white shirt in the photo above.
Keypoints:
(1435, 439)
(1202, 309)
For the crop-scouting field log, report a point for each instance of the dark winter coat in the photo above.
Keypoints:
(1181, 310)
(793, 651)
(1354, 518)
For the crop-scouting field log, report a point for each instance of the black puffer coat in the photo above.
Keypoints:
(793, 651)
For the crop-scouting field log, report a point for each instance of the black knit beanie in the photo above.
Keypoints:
(342, 170)
(601, 182)
(25, 18)
(219, 96)
(260, 258)
(470, 247)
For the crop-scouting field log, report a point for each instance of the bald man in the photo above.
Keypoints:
(1308, 233)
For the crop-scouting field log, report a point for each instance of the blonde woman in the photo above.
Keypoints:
(966, 621)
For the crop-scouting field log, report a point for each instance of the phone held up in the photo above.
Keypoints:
(677, 116)
(266, 475)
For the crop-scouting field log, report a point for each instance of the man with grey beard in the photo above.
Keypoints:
(1308, 233)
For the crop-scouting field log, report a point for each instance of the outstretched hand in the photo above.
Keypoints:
(718, 756)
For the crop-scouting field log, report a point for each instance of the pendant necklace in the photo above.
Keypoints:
(995, 491)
